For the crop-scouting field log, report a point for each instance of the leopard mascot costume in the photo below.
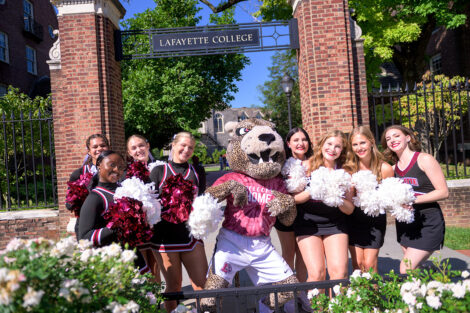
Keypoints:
(255, 195)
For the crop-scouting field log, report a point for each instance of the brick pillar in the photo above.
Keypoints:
(86, 85)
(333, 90)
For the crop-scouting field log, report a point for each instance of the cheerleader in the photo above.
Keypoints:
(366, 233)
(172, 244)
(95, 144)
(138, 149)
(91, 224)
(422, 237)
(298, 147)
(321, 230)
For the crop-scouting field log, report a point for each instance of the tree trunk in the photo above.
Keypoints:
(410, 58)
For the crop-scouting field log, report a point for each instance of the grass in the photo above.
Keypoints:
(455, 172)
(457, 238)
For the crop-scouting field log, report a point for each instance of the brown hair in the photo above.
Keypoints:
(316, 160)
(352, 160)
(94, 136)
(413, 144)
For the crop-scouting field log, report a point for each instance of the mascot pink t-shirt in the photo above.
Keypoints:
(253, 219)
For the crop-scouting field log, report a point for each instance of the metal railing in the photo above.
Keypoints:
(437, 112)
(247, 299)
(27, 164)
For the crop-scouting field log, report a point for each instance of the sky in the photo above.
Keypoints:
(253, 75)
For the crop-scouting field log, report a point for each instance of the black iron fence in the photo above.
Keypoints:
(248, 299)
(27, 165)
(437, 111)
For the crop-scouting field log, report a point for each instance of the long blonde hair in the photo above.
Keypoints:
(316, 160)
(352, 160)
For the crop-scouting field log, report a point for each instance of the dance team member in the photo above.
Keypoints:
(422, 237)
(366, 233)
(91, 224)
(172, 243)
(138, 149)
(299, 147)
(321, 230)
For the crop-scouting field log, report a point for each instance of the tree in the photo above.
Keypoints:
(394, 30)
(163, 96)
(274, 97)
(399, 31)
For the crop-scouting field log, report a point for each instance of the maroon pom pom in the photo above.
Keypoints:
(77, 193)
(139, 170)
(177, 197)
(127, 218)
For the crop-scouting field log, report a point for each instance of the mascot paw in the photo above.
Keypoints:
(287, 218)
(280, 204)
(239, 193)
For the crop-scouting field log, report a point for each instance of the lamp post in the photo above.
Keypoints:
(287, 84)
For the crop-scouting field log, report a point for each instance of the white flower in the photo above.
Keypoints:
(15, 244)
(356, 274)
(128, 256)
(113, 250)
(336, 289)
(434, 302)
(465, 274)
(71, 225)
(86, 255)
(409, 298)
(151, 297)
(65, 247)
(419, 306)
(367, 275)
(131, 306)
(358, 298)
(350, 292)
(458, 291)
(312, 293)
(32, 297)
(84, 244)
(5, 296)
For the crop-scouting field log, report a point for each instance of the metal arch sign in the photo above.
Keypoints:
(206, 40)
(198, 40)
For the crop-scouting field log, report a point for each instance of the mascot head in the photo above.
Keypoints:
(255, 148)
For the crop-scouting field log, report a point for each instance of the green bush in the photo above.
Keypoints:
(216, 154)
(421, 291)
(42, 276)
(200, 151)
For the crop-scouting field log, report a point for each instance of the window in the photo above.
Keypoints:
(258, 115)
(31, 63)
(2, 1)
(28, 15)
(3, 90)
(436, 64)
(219, 123)
(242, 117)
(4, 47)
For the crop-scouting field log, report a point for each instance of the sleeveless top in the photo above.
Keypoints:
(417, 178)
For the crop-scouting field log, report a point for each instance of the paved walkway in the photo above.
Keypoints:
(389, 256)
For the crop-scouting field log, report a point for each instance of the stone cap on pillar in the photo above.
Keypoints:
(294, 4)
(112, 9)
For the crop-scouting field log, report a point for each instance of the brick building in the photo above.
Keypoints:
(213, 131)
(26, 35)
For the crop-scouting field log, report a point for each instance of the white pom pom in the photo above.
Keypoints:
(395, 194)
(136, 189)
(364, 180)
(295, 171)
(156, 163)
(205, 217)
(71, 225)
(329, 186)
